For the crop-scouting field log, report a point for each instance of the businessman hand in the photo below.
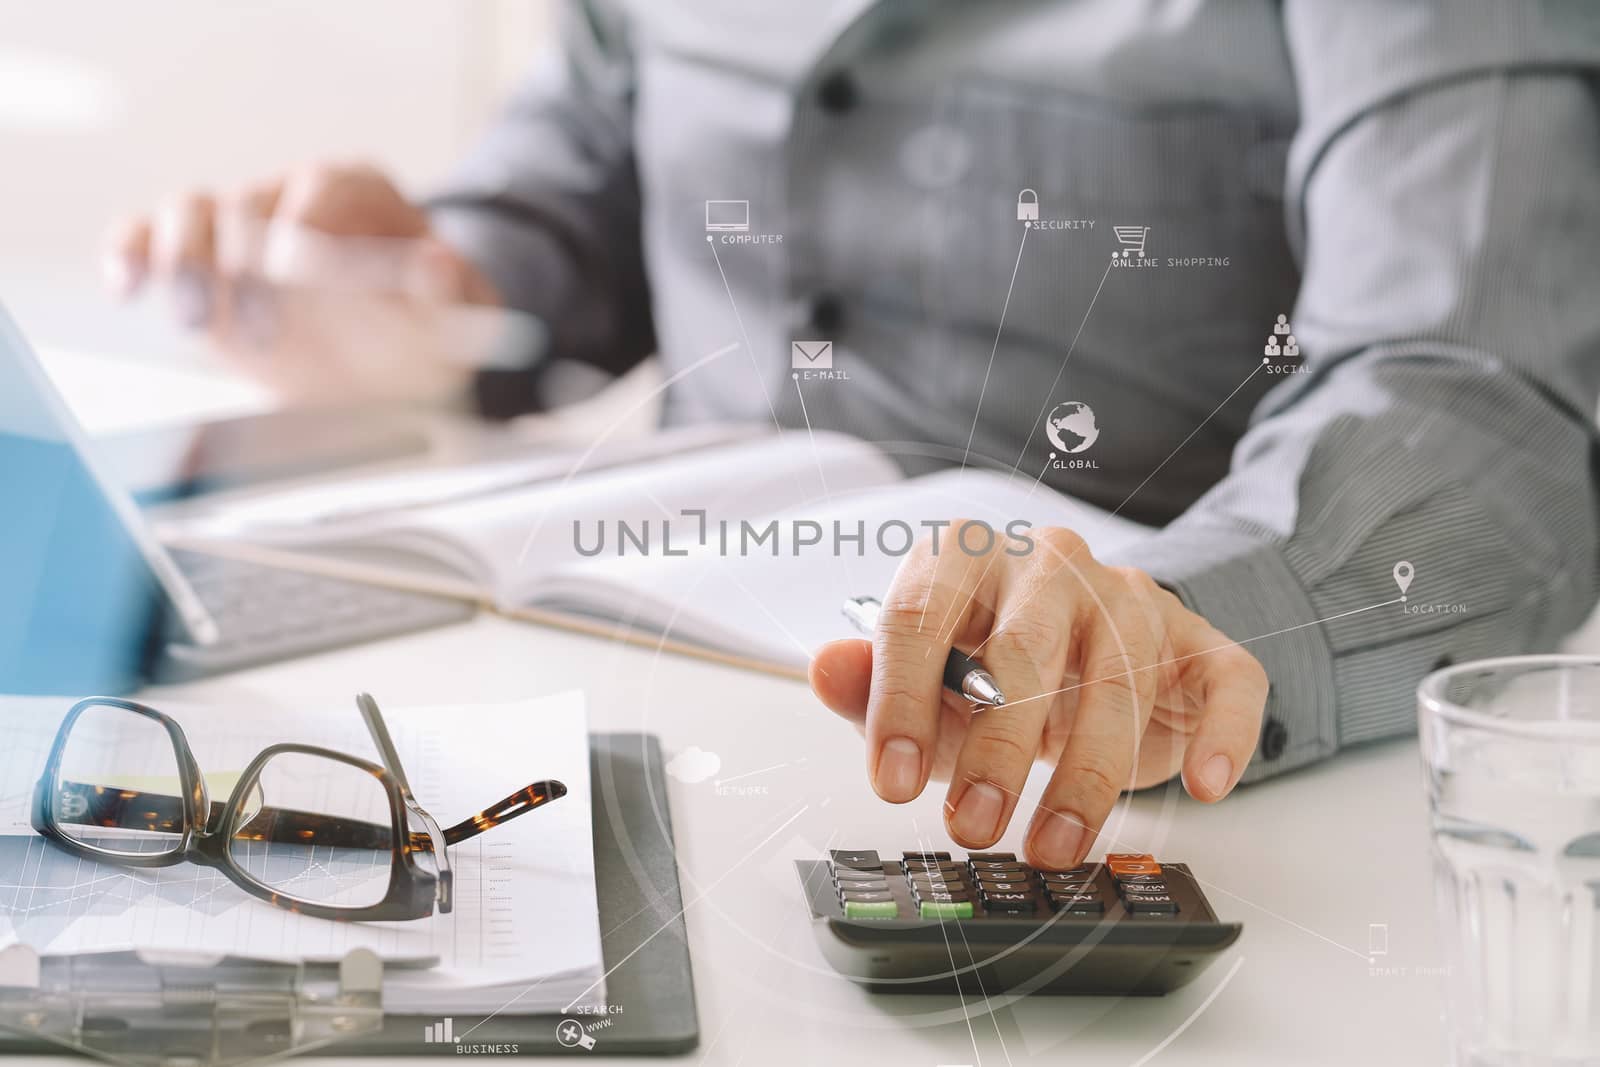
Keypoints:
(325, 283)
(1106, 675)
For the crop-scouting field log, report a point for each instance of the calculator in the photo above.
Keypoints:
(931, 923)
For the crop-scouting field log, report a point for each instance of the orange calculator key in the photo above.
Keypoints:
(1123, 863)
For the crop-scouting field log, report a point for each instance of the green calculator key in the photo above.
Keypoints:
(944, 909)
(871, 909)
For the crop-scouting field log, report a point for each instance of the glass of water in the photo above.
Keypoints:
(1511, 749)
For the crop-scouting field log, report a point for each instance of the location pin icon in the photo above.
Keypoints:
(1403, 573)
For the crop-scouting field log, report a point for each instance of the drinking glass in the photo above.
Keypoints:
(1511, 751)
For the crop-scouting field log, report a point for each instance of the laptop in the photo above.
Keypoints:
(91, 602)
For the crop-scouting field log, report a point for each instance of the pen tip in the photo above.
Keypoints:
(980, 688)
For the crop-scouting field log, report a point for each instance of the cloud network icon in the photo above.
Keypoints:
(694, 764)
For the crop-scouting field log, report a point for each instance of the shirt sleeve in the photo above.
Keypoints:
(547, 206)
(1450, 325)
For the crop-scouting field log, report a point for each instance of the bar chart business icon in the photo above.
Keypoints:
(728, 216)
(442, 1032)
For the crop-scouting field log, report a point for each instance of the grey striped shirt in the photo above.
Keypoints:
(1414, 186)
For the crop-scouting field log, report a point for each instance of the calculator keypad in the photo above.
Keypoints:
(940, 887)
(997, 884)
(863, 888)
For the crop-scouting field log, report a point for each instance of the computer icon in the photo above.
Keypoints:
(728, 216)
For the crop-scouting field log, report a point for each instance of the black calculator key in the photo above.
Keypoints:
(1059, 896)
(1143, 880)
(1077, 903)
(863, 887)
(934, 856)
(961, 897)
(1008, 877)
(1150, 903)
(998, 865)
(1070, 887)
(1004, 890)
(856, 861)
(845, 874)
(865, 896)
(931, 866)
(921, 891)
(992, 857)
(1012, 903)
(1082, 872)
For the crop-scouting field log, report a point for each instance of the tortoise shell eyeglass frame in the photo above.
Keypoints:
(413, 891)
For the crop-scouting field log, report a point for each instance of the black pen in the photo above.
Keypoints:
(962, 673)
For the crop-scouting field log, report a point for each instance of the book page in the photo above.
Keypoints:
(777, 601)
(534, 535)
(507, 543)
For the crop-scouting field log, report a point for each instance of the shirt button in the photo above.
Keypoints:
(825, 315)
(1274, 739)
(836, 92)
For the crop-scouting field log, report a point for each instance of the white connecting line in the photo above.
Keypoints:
(624, 418)
(664, 926)
(1125, 500)
(966, 1016)
(1128, 846)
(1060, 371)
(1037, 418)
(763, 770)
(827, 493)
(1204, 652)
(999, 327)
(755, 365)
(739, 320)
(1198, 1011)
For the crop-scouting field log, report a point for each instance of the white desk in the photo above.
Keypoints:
(1305, 862)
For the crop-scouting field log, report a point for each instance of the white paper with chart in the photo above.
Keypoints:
(525, 922)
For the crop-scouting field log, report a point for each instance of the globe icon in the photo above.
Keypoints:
(1071, 426)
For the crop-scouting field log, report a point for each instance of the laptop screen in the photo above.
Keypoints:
(82, 610)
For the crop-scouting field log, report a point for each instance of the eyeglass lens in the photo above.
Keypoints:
(118, 788)
(316, 830)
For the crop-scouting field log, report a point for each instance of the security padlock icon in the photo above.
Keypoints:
(1027, 206)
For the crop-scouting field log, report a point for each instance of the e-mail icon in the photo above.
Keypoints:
(811, 355)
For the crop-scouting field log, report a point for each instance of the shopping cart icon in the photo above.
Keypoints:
(1132, 238)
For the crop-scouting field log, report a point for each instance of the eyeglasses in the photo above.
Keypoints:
(316, 831)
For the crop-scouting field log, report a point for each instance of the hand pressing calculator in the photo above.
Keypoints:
(928, 923)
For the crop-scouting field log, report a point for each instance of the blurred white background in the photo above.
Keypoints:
(106, 106)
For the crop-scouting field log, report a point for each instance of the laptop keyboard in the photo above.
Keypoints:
(268, 613)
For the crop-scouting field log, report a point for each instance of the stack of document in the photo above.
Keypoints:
(524, 933)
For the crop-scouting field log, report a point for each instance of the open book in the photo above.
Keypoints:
(746, 550)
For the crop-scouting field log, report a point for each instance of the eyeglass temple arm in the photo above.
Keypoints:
(380, 737)
(521, 802)
(130, 809)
